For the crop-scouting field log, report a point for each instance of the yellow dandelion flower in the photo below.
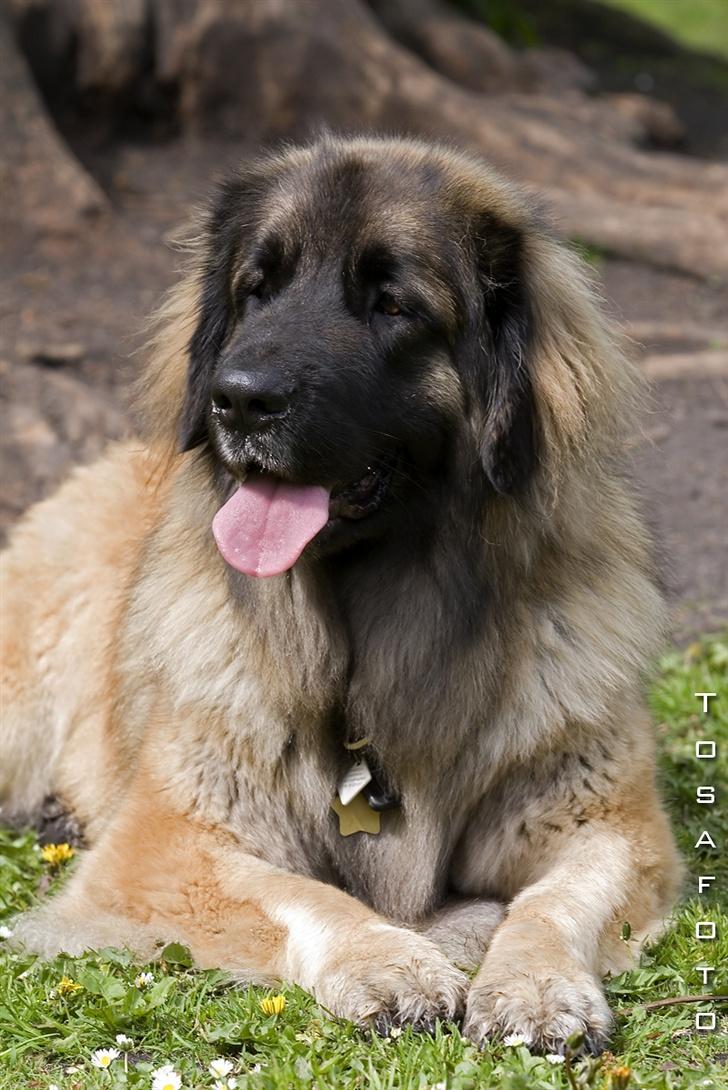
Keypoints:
(619, 1077)
(55, 854)
(273, 1004)
(66, 986)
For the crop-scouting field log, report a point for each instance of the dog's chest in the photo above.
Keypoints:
(400, 870)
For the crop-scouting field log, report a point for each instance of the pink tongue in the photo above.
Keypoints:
(265, 526)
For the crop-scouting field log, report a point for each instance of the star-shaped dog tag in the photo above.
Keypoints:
(357, 816)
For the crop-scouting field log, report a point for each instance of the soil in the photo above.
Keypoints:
(74, 303)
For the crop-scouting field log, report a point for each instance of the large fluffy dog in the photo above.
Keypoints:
(394, 395)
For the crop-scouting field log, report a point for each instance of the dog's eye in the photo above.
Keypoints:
(250, 287)
(389, 306)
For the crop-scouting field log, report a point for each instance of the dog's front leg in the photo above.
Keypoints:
(158, 875)
(356, 963)
(540, 978)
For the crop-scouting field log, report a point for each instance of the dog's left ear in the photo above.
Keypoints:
(508, 446)
(221, 244)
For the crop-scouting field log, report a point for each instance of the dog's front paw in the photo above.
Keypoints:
(389, 976)
(543, 1006)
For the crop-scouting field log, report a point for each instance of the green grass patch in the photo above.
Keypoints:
(54, 1015)
(701, 24)
(681, 44)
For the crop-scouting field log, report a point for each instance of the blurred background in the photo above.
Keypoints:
(115, 117)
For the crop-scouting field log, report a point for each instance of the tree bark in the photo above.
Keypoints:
(41, 179)
(282, 68)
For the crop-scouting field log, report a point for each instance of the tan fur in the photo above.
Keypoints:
(140, 692)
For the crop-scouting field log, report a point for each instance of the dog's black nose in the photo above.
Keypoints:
(250, 400)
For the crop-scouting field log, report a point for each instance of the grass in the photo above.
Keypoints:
(188, 1018)
(681, 45)
(701, 24)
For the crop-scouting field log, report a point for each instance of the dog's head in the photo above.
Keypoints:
(366, 344)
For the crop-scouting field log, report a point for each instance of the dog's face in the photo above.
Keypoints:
(363, 328)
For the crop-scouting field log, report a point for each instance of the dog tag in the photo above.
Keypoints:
(357, 817)
(351, 784)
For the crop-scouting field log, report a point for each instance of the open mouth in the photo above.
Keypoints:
(363, 497)
(268, 521)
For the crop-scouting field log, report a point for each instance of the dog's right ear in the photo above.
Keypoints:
(502, 382)
(222, 240)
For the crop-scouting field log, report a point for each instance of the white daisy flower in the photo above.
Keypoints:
(166, 1078)
(124, 1042)
(554, 1058)
(143, 980)
(53, 1086)
(6, 932)
(395, 1031)
(256, 1069)
(104, 1057)
(224, 1084)
(512, 1040)
(220, 1068)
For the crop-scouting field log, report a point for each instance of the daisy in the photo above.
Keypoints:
(104, 1057)
(224, 1084)
(220, 1068)
(166, 1078)
(395, 1031)
(554, 1058)
(273, 1004)
(6, 932)
(124, 1042)
(512, 1040)
(143, 980)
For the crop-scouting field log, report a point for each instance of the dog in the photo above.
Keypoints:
(340, 662)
